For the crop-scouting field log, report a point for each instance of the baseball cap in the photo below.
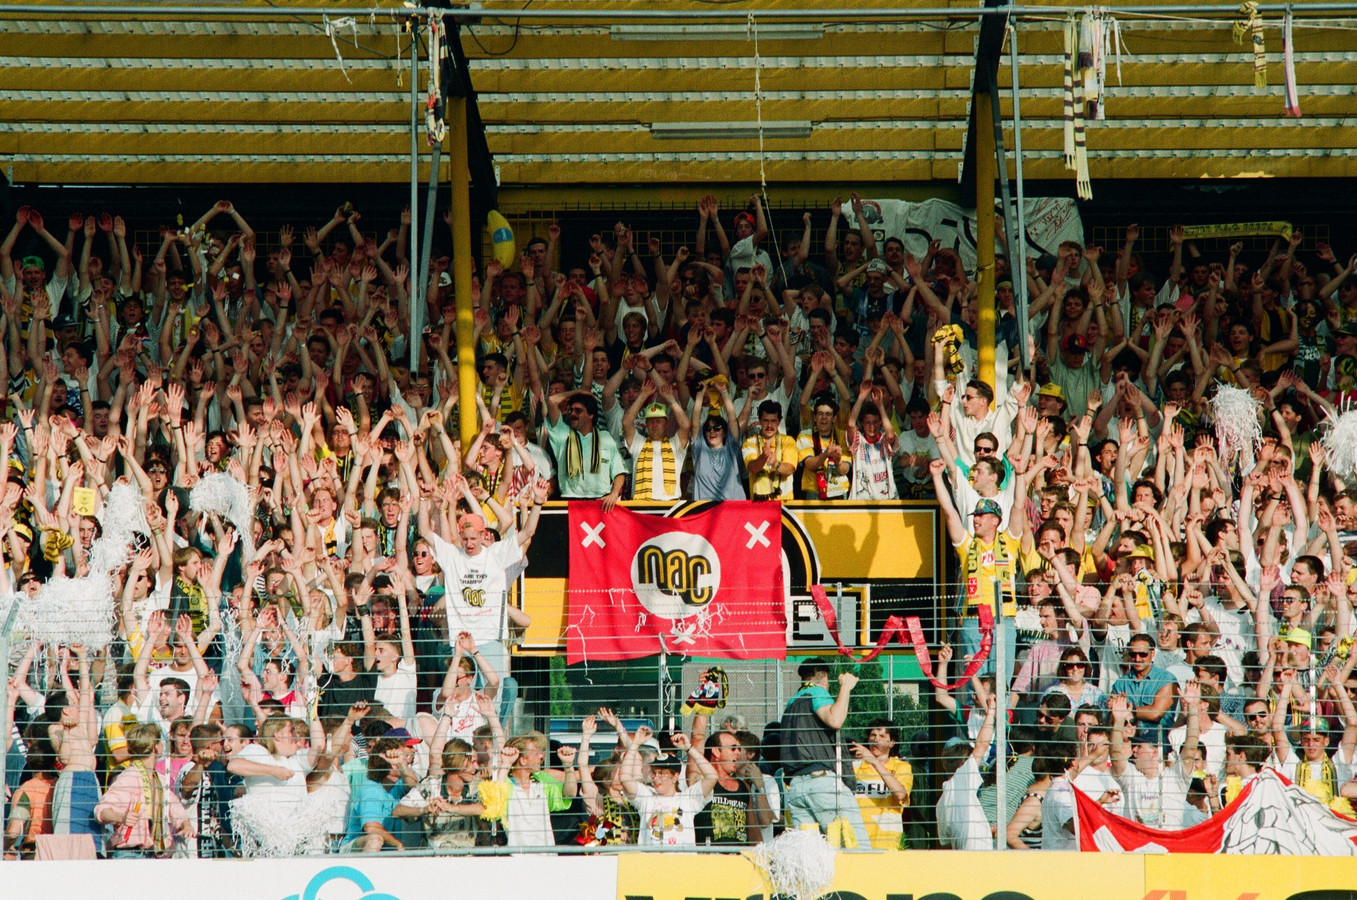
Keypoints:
(879, 266)
(1052, 390)
(657, 411)
(1297, 636)
(33, 262)
(1004, 284)
(472, 520)
(22, 531)
(401, 734)
(1142, 551)
(744, 216)
(1074, 343)
(667, 761)
(988, 507)
(1347, 330)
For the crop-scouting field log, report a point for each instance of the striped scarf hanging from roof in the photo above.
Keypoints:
(1075, 105)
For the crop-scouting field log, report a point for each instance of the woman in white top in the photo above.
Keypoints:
(1073, 667)
(273, 769)
(463, 708)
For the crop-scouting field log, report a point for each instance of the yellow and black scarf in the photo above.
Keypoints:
(195, 602)
(644, 488)
(153, 793)
(574, 454)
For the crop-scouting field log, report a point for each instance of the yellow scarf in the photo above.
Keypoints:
(644, 488)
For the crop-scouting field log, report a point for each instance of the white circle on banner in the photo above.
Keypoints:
(676, 575)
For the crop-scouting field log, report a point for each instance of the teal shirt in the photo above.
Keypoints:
(587, 485)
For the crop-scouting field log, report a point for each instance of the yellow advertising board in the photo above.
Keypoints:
(947, 875)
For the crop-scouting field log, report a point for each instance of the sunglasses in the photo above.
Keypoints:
(1137, 654)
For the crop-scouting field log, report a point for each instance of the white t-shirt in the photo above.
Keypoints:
(873, 476)
(476, 585)
(668, 821)
(1057, 809)
(913, 445)
(397, 691)
(1095, 782)
(961, 820)
(527, 820)
(283, 793)
(1160, 802)
(1211, 746)
(465, 719)
(1236, 635)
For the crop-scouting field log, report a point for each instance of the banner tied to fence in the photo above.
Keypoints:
(706, 584)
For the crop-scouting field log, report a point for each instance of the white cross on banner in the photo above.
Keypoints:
(756, 535)
(592, 535)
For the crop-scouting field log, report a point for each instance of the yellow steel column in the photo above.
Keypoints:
(984, 235)
(463, 268)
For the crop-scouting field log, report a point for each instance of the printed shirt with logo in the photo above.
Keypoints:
(476, 585)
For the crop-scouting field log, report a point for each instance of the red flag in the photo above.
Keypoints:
(1271, 816)
(708, 584)
(1101, 830)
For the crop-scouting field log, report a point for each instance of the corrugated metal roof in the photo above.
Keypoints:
(100, 101)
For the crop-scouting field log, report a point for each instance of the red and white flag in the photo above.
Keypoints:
(1270, 816)
(708, 584)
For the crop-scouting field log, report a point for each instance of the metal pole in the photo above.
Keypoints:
(459, 176)
(1017, 246)
(430, 201)
(6, 628)
(416, 273)
(1006, 204)
(1001, 667)
(984, 235)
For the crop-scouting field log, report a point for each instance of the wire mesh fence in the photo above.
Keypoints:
(384, 709)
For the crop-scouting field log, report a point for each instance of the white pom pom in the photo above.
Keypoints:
(73, 611)
(800, 864)
(1235, 413)
(123, 514)
(221, 494)
(1340, 442)
(266, 827)
(80, 610)
(121, 517)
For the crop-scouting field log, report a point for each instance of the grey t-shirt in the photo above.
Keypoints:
(717, 470)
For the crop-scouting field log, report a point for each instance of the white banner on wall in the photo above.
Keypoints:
(329, 878)
(1048, 220)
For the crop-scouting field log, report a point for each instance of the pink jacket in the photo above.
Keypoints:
(124, 793)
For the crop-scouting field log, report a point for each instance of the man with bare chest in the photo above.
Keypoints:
(75, 736)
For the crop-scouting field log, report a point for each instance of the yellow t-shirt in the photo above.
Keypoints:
(880, 812)
(992, 562)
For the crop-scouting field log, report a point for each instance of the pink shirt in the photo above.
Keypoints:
(123, 794)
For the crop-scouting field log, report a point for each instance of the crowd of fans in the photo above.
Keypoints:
(1175, 617)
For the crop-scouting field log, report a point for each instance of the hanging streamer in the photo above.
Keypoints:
(334, 25)
(434, 108)
(902, 630)
(1291, 107)
(752, 31)
(1251, 26)
(1075, 105)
